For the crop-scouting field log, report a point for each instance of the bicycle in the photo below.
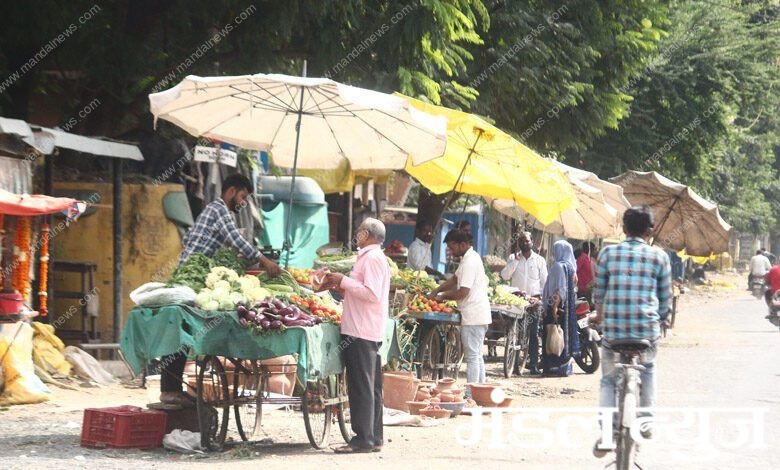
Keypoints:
(628, 389)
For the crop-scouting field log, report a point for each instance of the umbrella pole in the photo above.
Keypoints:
(287, 245)
(460, 177)
(666, 217)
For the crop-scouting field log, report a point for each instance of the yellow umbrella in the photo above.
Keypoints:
(483, 160)
(344, 178)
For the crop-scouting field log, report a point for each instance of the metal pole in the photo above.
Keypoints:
(48, 188)
(116, 166)
(287, 244)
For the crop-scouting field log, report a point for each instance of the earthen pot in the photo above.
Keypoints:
(445, 384)
(480, 393)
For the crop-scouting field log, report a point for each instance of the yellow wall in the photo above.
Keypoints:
(151, 242)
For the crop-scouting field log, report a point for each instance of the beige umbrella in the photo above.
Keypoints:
(683, 219)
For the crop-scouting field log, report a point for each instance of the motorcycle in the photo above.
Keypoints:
(758, 287)
(590, 339)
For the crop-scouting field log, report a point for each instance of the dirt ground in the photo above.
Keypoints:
(47, 435)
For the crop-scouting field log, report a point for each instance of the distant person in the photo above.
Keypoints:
(769, 256)
(773, 285)
(526, 271)
(465, 226)
(759, 266)
(585, 273)
(419, 257)
(558, 300)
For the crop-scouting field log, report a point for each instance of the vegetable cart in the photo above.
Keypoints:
(220, 344)
(511, 328)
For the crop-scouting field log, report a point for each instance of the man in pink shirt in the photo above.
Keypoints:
(365, 292)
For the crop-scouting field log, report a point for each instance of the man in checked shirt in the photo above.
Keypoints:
(632, 293)
(214, 228)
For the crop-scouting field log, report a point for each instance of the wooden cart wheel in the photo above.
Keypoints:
(511, 346)
(247, 397)
(213, 403)
(316, 415)
(343, 405)
(429, 355)
(453, 352)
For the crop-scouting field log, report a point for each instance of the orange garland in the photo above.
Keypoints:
(43, 280)
(22, 255)
(2, 237)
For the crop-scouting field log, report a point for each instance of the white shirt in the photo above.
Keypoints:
(759, 265)
(419, 256)
(475, 307)
(526, 274)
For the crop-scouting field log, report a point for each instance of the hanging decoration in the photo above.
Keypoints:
(22, 257)
(2, 237)
(43, 280)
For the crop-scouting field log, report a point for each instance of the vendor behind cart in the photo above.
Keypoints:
(419, 257)
(214, 228)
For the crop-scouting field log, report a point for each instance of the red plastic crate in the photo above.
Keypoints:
(123, 427)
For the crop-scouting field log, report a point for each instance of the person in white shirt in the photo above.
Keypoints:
(527, 272)
(759, 266)
(468, 287)
(419, 256)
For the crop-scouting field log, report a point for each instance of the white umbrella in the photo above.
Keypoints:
(308, 123)
(613, 193)
(316, 121)
(683, 219)
(590, 216)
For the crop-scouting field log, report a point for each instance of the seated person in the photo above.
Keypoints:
(419, 257)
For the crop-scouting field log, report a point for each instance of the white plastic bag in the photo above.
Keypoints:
(186, 442)
(86, 366)
(155, 293)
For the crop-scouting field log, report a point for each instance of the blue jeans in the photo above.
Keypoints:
(609, 375)
(473, 338)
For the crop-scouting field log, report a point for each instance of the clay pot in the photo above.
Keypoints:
(416, 406)
(422, 394)
(399, 388)
(446, 396)
(480, 393)
(445, 384)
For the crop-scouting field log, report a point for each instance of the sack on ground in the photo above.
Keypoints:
(553, 344)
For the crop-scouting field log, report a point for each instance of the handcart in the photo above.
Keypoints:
(434, 348)
(231, 379)
(511, 328)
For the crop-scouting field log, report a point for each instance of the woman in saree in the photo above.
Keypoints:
(558, 299)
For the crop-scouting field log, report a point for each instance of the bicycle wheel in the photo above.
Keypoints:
(247, 390)
(341, 408)
(626, 446)
(213, 403)
(511, 342)
(453, 353)
(316, 415)
(429, 355)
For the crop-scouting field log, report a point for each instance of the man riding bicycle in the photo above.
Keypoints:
(632, 294)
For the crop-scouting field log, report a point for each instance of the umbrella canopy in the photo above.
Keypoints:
(613, 193)
(683, 219)
(588, 218)
(311, 123)
(483, 160)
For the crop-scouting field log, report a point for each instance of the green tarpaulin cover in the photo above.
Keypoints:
(155, 332)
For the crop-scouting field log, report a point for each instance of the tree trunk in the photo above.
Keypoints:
(431, 206)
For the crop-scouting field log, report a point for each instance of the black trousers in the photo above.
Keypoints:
(364, 388)
(171, 372)
(533, 336)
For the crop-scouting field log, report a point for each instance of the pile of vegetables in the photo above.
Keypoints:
(224, 288)
(272, 315)
(317, 307)
(420, 303)
(303, 276)
(194, 271)
(283, 284)
(503, 295)
(337, 263)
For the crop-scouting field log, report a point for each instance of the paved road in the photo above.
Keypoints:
(723, 355)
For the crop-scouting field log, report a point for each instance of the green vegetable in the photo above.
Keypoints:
(192, 273)
(228, 257)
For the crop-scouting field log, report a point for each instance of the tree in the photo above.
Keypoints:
(704, 110)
